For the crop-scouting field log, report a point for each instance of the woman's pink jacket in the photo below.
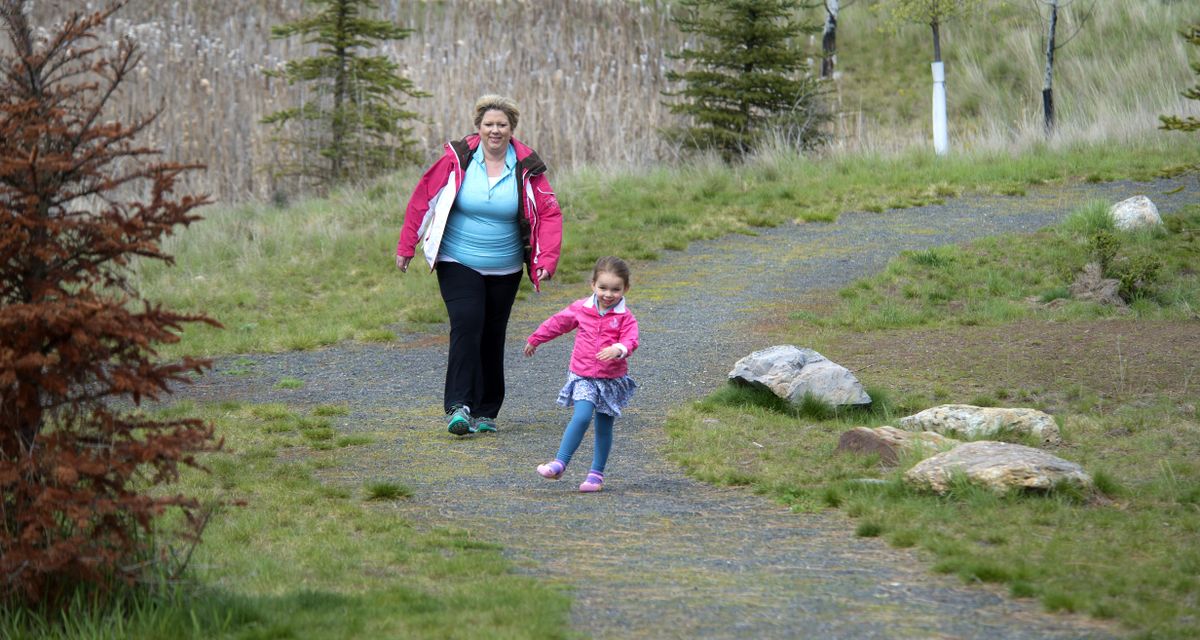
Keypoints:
(617, 326)
(538, 215)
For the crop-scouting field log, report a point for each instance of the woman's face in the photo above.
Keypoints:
(495, 132)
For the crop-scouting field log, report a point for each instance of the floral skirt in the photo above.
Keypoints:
(610, 395)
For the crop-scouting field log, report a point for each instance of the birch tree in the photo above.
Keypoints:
(934, 14)
(1052, 46)
(829, 35)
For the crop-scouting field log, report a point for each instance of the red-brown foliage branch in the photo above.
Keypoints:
(77, 472)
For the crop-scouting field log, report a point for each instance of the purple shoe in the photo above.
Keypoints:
(552, 470)
(593, 483)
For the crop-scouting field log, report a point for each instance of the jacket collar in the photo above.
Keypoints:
(529, 160)
(590, 303)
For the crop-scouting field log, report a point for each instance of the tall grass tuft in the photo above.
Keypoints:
(387, 491)
(1088, 220)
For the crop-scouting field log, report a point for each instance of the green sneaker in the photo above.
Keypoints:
(487, 425)
(458, 421)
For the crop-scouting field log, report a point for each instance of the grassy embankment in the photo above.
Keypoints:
(321, 271)
(990, 323)
(307, 556)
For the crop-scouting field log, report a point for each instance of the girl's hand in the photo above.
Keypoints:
(609, 353)
(529, 349)
(402, 263)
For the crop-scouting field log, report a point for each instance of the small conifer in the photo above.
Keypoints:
(355, 118)
(1189, 123)
(747, 76)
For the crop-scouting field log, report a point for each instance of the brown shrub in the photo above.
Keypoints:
(78, 473)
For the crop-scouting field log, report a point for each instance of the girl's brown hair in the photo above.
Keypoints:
(613, 265)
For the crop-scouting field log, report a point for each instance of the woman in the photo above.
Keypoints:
(480, 212)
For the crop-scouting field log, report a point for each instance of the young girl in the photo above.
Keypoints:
(597, 381)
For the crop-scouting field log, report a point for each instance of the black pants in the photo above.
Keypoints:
(479, 307)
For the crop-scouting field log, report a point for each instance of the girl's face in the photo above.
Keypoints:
(609, 288)
(495, 132)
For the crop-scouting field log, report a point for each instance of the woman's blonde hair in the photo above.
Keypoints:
(493, 102)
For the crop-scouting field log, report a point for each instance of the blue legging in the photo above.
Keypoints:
(578, 426)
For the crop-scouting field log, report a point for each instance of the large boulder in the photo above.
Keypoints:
(1135, 212)
(791, 372)
(971, 423)
(999, 466)
(891, 443)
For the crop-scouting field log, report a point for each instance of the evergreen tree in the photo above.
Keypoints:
(1190, 123)
(83, 471)
(746, 77)
(355, 119)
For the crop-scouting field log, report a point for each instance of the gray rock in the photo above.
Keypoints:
(1092, 286)
(970, 422)
(999, 466)
(791, 372)
(1135, 212)
(890, 443)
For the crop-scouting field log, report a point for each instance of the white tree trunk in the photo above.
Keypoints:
(941, 144)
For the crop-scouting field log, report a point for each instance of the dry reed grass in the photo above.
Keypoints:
(589, 76)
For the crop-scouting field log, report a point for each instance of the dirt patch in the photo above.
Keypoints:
(1053, 364)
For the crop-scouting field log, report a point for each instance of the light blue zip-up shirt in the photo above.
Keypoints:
(482, 231)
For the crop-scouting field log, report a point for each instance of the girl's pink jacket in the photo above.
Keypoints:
(596, 332)
(538, 215)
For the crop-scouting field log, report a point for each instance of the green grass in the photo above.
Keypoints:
(1124, 551)
(303, 557)
(331, 410)
(1127, 552)
(992, 280)
(387, 491)
(321, 271)
(288, 382)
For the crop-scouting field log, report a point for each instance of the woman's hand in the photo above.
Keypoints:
(529, 349)
(609, 353)
(402, 263)
(542, 275)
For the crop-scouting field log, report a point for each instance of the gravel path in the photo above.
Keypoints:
(656, 554)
